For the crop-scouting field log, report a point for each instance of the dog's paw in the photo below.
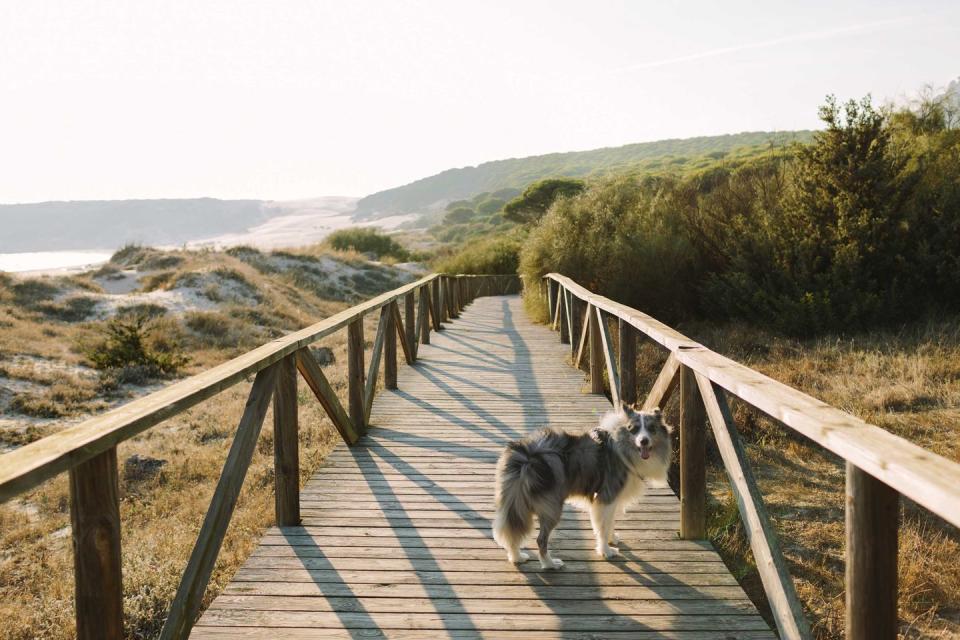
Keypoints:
(551, 563)
(520, 558)
(608, 552)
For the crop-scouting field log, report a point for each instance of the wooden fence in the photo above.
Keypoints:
(88, 451)
(880, 466)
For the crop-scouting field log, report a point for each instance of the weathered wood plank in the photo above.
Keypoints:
(872, 519)
(286, 444)
(609, 357)
(321, 388)
(693, 475)
(95, 529)
(664, 386)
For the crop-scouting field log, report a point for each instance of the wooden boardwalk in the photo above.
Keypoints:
(395, 540)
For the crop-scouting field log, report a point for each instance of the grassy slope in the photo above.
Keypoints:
(455, 184)
(161, 514)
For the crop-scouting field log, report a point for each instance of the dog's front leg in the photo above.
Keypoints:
(604, 517)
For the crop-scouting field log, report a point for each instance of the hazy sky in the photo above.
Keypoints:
(289, 99)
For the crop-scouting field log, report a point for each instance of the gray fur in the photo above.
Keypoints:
(604, 467)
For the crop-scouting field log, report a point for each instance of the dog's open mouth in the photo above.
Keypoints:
(645, 451)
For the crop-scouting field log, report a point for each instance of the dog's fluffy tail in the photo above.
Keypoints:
(523, 471)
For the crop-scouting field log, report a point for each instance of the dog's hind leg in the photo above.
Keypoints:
(603, 515)
(549, 518)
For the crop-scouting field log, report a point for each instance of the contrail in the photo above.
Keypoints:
(800, 37)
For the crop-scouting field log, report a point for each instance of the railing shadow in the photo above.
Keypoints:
(356, 621)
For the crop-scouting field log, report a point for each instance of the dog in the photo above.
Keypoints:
(605, 468)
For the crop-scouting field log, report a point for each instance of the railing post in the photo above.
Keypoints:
(95, 520)
(355, 372)
(693, 472)
(424, 314)
(410, 323)
(551, 298)
(596, 354)
(390, 351)
(576, 323)
(628, 362)
(435, 297)
(286, 451)
(873, 510)
(564, 329)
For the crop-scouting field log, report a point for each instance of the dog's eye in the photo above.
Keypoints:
(634, 427)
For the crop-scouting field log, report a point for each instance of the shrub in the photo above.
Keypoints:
(496, 254)
(620, 239)
(128, 346)
(366, 240)
(537, 198)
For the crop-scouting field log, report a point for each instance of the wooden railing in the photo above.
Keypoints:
(879, 465)
(88, 451)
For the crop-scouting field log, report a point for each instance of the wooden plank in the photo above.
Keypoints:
(486, 605)
(584, 333)
(286, 444)
(925, 477)
(609, 358)
(771, 565)
(424, 313)
(95, 528)
(872, 519)
(321, 388)
(664, 386)
(313, 633)
(193, 584)
(406, 343)
(693, 476)
(376, 352)
(355, 383)
(470, 621)
(528, 592)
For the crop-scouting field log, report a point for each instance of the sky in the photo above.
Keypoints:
(289, 99)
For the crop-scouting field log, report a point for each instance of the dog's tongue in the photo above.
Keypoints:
(644, 452)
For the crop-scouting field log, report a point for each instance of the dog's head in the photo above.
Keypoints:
(639, 435)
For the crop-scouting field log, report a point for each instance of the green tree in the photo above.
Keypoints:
(458, 215)
(536, 199)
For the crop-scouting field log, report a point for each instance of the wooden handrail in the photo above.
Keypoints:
(88, 450)
(926, 478)
(880, 465)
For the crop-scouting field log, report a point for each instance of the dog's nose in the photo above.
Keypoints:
(644, 441)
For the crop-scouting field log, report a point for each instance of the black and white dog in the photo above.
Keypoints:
(606, 468)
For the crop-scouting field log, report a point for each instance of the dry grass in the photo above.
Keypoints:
(907, 383)
(161, 513)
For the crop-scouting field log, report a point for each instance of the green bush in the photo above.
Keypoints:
(129, 346)
(620, 239)
(366, 240)
(858, 229)
(492, 255)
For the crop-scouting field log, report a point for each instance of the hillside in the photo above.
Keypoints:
(108, 224)
(435, 191)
